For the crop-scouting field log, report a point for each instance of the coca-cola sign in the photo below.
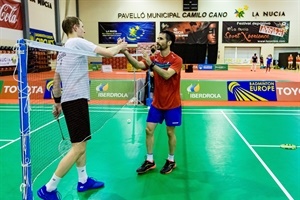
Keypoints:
(10, 14)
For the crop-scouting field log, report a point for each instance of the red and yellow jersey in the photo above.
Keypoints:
(290, 58)
(298, 59)
(167, 92)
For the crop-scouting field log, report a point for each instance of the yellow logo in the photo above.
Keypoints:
(240, 11)
(193, 88)
(242, 94)
(49, 85)
(102, 87)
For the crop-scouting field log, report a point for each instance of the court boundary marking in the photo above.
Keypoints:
(280, 185)
(143, 110)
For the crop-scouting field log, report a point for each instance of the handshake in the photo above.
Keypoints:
(123, 44)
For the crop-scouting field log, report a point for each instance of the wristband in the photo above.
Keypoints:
(151, 66)
(56, 99)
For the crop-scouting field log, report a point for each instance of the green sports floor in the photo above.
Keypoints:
(223, 153)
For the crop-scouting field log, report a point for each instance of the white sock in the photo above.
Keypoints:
(52, 184)
(171, 157)
(150, 157)
(82, 175)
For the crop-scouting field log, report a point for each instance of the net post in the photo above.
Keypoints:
(26, 186)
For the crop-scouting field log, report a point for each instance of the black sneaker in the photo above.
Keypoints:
(146, 166)
(168, 167)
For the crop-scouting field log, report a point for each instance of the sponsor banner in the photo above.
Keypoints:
(48, 89)
(11, 14)
(256, 32)
(212, 66)
(112, 89)
(237, 61)
(133, 32)
(193, 32)
(220, 66)
(205, 67)
(195, 90)
(288, 91)
(251, 90)
(7, 60)
(10, 90)
(41, 36)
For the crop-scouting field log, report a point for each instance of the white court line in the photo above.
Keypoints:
(259, 158)
(295, 114)
(10, 142)
(252, 110)
(13, 141)
(4, 140)
(2, 147)
(267, 146)
(130, 111)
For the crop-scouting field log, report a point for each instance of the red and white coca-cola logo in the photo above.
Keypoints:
(8, 13)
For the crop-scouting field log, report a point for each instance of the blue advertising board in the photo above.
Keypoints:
(251, 91)
(133, 32)
(205, 67)
(41, 36)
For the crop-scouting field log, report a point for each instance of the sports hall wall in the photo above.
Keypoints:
(92, 12)
(41, 17)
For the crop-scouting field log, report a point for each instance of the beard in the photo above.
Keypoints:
(161, 47)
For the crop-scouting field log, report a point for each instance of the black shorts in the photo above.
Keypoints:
(76, 114)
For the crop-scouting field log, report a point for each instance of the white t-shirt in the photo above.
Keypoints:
(73, 70)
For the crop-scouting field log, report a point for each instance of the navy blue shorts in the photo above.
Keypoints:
(172, 117)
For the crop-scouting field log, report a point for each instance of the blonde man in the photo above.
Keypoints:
(72, 70)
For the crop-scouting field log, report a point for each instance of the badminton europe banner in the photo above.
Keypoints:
(251, 91)
(256, 32)
(133, 32)
(194, 32)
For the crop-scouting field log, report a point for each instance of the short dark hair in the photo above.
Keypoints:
(170, 36)
(68, 23)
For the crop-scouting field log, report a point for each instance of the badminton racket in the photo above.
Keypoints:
(65, 144)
